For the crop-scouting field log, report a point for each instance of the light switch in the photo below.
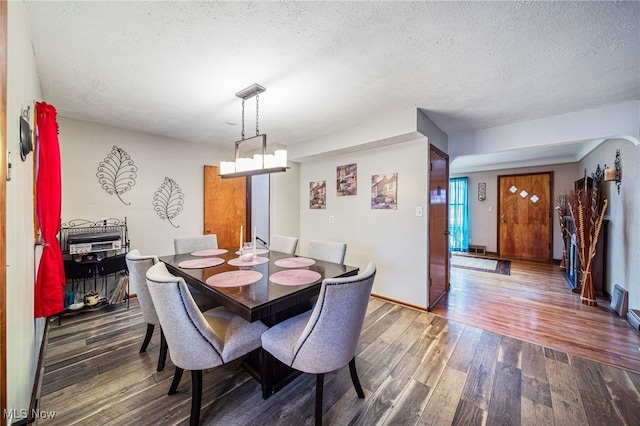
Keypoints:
(330, 219)
(490, 208)
(419, 211)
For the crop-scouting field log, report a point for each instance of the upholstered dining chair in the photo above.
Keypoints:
(197, 340)
(191, 244)
(283, 243)
(138, 266)
(324, 339)
(329, 251)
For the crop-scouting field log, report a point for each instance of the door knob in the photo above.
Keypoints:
(502, 218)
(208, 231)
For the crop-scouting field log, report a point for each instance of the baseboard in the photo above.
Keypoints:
(37, 381)
(397, 302)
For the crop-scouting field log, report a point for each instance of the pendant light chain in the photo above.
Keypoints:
(242, 119)
(257, 124)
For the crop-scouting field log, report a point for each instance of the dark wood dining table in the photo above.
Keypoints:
(263, 300)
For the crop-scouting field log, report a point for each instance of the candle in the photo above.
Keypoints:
(254, 241)
(240, 237)
(610, 174)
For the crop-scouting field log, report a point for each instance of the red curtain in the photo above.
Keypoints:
(51, 280)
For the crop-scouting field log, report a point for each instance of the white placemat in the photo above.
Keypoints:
(234, 278)
(201, 263)
(294, 262)
(209, 252)
(256, 261)
(295, 277)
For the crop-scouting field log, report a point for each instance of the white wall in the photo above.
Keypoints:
(393, 239)
(23, 340)
(599, 123)
(623, 213)
(483, 215)
(260, 206)
(284, 192)
(376, 132)
(84, 145)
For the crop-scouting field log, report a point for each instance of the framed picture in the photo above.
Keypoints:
(318, 194)
(384, 191)
(347, 180)
(482, 191)
(620, 300)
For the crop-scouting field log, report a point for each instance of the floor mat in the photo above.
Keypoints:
(496, 266)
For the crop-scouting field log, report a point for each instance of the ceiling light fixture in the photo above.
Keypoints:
(251, 156)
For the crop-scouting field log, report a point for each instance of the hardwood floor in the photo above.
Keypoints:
(534, 304)
(416, 368)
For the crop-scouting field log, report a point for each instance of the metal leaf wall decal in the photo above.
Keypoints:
(117, 173)
(168, 200)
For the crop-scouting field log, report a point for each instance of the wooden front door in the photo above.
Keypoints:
(524, 216)
(225, 208)
(438, 225)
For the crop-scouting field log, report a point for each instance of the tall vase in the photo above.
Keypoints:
(588, 295)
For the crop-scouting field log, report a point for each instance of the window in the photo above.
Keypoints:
(458, 214)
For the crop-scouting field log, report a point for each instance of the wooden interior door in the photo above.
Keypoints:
(226, 204)
(525, 216)
(438, 225)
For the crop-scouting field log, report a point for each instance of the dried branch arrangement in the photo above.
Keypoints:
(587, 214)
(562, 207)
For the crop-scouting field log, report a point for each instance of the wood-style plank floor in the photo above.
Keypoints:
(416, 368)
(534, 304)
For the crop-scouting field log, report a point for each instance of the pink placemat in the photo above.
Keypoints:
(209, 252)
(256, 261)
(258, 251)
(295, 277)
(201, 263)
(294, 262)
(234, 278)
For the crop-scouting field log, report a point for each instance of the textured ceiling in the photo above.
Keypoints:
(172, 68)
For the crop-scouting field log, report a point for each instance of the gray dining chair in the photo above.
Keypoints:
(283, 243)
(197, 340)
(324, 339)
(328, 251)
(138, 265)
(191, 244)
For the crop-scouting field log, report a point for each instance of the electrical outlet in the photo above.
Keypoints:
(419, 211)
(330, 219)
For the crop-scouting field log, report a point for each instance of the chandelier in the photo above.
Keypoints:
(251, 156)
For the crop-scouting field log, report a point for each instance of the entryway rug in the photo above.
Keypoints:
(496, 266)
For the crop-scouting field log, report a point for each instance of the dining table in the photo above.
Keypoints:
(271, 288)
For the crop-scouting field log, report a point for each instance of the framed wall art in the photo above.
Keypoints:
(384, 191)
(347, 180)
(318, 194)
(482, 191)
